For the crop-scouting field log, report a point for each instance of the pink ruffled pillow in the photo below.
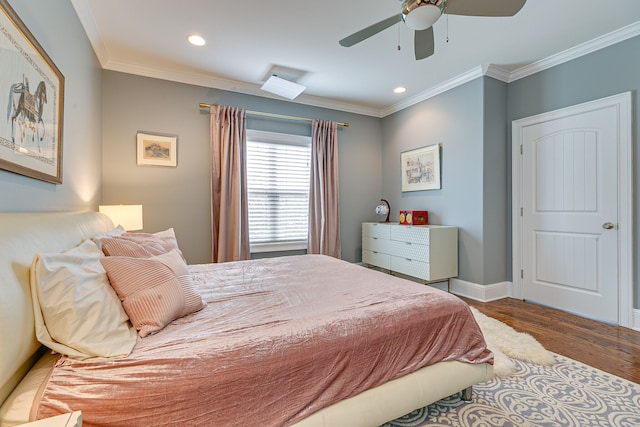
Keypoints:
(154, 291)
(140, 245)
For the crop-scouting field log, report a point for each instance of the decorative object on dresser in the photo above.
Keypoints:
(420, 169)
(427, 252)
(414, 217)
(384, 208)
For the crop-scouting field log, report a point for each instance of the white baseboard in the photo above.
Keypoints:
(486, 293)
(483, 293)
(635, 322)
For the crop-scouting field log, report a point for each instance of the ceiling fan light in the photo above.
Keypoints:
(420, 15)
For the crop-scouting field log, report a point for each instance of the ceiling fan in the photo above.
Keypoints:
(420, 15)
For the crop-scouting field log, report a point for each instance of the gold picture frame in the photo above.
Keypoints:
(420, 169)
(32, 88)
(157, 149)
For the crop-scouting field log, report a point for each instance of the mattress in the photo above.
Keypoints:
(16, 410)
(278, 340)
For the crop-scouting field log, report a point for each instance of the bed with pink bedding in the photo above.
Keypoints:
(303, 340)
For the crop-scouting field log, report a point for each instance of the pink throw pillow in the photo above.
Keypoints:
(140, 245)
(154, 291)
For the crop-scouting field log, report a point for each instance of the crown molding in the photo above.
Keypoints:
(497, 73)
(89, 24)
(582, 49)
(463, 78)
(209, 81)
(506, 76)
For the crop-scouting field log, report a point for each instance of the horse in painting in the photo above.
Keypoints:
(25, 110)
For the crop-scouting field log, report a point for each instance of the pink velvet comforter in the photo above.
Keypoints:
(278, 340)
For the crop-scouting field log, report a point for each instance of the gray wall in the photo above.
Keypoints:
(496, 218)
(179, 197)
(56, 27)
(455, 120)
(606, 72)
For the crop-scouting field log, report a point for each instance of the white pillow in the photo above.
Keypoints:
(76, 310)
(118, 231)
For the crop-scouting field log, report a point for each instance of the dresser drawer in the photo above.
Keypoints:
(376, 258)
(411, 267)
(408, 250)
(407, 233)
(376, 244)
(372, 229)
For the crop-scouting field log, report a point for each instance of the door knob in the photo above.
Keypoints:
(608, 225)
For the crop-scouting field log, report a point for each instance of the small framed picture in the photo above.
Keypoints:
(157, 149)
(421, 168)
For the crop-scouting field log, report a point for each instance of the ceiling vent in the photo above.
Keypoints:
(283, 82)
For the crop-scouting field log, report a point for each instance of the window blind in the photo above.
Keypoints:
(278, 193)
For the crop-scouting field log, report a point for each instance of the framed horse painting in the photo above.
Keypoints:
(32, 89)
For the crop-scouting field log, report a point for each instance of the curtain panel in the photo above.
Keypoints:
(229, 209)
(324, 212)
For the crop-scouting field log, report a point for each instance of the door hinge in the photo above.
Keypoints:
(521, 211)
(520, 148)
(522, 274)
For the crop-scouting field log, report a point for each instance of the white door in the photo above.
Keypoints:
(569, 212)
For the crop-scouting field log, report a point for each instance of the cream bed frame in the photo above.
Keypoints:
(22, 235)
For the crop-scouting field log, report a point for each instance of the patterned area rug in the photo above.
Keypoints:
(565, 393)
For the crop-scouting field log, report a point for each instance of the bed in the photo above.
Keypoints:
(263, 349)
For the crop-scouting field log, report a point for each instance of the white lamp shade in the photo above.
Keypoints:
(128, 216)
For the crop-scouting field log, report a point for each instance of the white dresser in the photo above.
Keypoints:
(427, 252)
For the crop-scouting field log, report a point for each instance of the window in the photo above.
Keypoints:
(278, 190)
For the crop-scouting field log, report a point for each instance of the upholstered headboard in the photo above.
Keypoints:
(22, 235)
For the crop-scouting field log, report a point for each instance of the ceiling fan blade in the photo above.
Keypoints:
(365, 33)
(484, 7)
(423, 43)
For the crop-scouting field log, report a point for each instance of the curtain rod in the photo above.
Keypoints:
(276, 116)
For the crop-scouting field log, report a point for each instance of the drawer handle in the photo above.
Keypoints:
(408, 259)
(375, 238)
(408, 243)
(375, 252)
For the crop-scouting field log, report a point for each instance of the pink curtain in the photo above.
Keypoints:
(324, 215)
(229, 212)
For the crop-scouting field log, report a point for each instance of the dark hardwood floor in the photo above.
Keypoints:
(609, 348)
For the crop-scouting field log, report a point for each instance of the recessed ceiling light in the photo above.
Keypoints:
(196, 40)
(400, 89)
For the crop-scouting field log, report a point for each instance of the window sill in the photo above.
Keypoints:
(278, 247)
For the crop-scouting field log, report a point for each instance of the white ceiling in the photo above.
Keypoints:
(247, 38)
